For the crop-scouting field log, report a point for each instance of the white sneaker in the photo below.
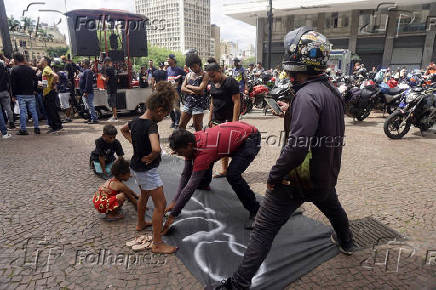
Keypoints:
(7, 136)
(112, 119)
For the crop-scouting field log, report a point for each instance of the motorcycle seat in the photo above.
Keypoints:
(393, 91)
(390, 98)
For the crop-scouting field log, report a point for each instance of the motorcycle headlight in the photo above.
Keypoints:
(411, 97)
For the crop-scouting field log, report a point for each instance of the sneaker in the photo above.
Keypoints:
(11, 125)
(37, 131)
(93, 122)
(68, 120)
(226, 285)
(250, 223)
(22, 132)
(112, 119)
(6, 136)
(51, 131)
(345, 249)
(299, 210)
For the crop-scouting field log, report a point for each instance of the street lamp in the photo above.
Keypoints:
(270, 20)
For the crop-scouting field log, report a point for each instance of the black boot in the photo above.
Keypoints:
(11, 125)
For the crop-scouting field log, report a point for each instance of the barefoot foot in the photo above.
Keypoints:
(162, 248)
(141, 227)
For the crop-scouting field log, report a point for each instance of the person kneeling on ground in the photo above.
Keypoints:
(104, 153)
(202, 149)
(110, 196)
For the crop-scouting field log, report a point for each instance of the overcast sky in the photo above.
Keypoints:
(231, 29)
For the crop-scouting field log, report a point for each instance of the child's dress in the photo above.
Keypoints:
(105, 199)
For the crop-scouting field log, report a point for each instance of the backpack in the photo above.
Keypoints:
(4, 77)
(379, 76)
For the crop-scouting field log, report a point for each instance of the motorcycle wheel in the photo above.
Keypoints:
(392, 126)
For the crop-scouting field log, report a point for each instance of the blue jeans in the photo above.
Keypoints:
(3, 128)
(90, 103)
(23, 101)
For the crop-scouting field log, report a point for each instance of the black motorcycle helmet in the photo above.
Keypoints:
(306, 51)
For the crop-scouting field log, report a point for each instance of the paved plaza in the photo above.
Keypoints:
(52, 238)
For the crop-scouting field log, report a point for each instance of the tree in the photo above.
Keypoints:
(13, 23)
(160, 54)
(28, 24)
(4, 29)
(248, 60)
(57, 51)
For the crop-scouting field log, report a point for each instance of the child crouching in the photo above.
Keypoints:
(110, 196)
(104, 153)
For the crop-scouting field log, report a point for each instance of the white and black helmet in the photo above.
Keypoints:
(306, 51)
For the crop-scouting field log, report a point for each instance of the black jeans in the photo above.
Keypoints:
(241, 159)
(275, 211)
(52, 110)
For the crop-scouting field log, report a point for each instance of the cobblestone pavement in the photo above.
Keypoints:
(51, 237)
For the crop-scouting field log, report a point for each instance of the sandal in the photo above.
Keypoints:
(138, 240)
(220, 175)
(144, 245)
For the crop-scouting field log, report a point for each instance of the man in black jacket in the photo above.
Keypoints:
(24, 84)
(87, 89)
(308, 166)
(5, 98)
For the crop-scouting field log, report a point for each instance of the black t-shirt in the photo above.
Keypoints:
(107, 150)
(140, 129)
(112, 81)
(222, 99)
(143, 82)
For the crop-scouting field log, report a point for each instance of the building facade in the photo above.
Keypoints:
(215, 32)
(35, 47)
(401, 34)
(229, 50)
(182, 24)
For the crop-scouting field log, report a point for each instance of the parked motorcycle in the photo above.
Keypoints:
(282, 91)
(419, 111)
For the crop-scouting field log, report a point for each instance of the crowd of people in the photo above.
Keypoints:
(316, 111)
(303, 173)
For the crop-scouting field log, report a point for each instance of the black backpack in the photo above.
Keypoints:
(4, 78)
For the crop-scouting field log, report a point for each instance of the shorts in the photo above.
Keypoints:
(192, 110)
(147, 180)
(98, 169)
(112, 99)
(64, 100)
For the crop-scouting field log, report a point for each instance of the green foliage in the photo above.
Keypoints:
(56, 51)
(158, 54)
(249, 60)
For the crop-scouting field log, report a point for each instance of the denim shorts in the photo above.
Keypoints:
(64, 99)
(147, 180)
(192, 110)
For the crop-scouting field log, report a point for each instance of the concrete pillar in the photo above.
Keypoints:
(391, 31)
(321, 23)
(354, 23)
(429, 40)
(260, 37)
